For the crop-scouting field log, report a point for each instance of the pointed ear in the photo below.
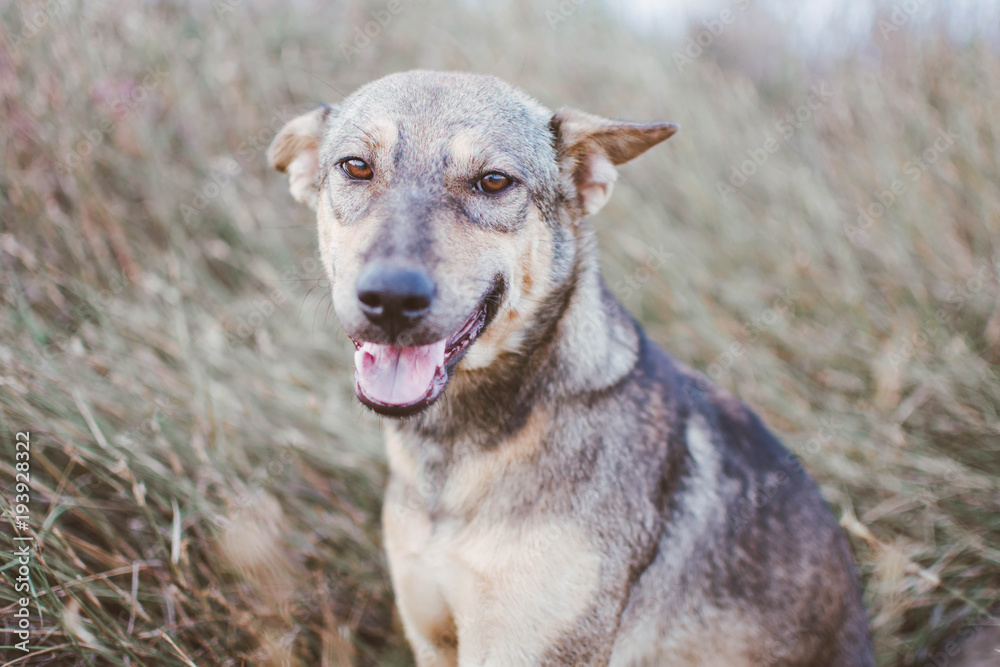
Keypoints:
(295, 150)
(589, 148)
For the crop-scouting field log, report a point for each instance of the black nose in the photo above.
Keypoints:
(394, 298)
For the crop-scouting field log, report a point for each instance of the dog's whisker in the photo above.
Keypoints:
(305, 297)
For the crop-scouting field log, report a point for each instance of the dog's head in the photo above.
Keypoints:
(447, 206)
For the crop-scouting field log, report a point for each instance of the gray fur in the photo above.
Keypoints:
(579, 427)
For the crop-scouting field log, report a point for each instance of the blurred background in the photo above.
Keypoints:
(821, 238)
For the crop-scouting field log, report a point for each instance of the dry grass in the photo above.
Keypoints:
(204, 486)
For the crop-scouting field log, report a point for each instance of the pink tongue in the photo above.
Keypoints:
(398, 375)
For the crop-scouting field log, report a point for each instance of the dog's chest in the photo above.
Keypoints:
(533, 578)
(472, 568)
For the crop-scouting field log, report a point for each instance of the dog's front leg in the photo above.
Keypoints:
(427, 619)
(532, 592)
(520, 636)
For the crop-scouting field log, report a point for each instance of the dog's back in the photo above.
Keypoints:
(751, 566)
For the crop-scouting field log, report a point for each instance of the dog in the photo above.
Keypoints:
(561, 491)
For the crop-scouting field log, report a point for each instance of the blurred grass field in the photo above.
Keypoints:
(205, 488)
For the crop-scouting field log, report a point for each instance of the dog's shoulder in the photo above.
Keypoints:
(734, 427)
(767, 531)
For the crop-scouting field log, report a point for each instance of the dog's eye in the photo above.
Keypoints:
(494, 183)
(357, 169)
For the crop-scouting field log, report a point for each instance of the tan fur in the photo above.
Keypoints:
(427, 617)
(702, 644)
(296, 150)
(513, 587)
(595, 145)
(475, 476)
(479, 570)
(467, 149)
(568, 499)
(531, 259)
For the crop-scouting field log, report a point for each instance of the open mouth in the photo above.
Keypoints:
(398, 381)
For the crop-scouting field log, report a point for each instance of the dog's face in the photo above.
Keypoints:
(446, 206)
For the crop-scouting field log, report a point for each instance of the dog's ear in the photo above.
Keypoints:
(295, 150)
(589, 148)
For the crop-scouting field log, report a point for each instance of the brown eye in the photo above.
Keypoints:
(357, 169)
(494, 182)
